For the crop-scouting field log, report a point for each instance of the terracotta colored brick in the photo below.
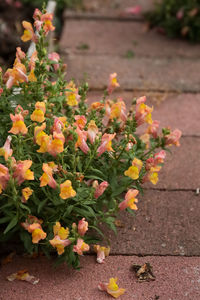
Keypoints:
(108, 8)
(177, 278)
(181, 170)
(166, 223)
(138, 73)
(121, 38)
(174, 110)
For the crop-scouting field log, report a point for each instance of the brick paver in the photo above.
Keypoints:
(119, 38)
(177, 278)
(166, 223)
(158, 74)
(108, 8)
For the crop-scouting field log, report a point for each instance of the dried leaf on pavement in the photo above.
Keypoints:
(144, 272)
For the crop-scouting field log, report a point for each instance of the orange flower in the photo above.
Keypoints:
(66, 190)
(80, 121)
(37, 235)
(130, 200)
(118, 111)
(60, 240)
(22, 171)
(31, 76)
(47, 177)
(28, 33)
(33, 226)
(56, 144)
(38, 114)
(4, 177)
(39, 133)
(16, 75)
(81, 247)
(97, 106)
(18, 124)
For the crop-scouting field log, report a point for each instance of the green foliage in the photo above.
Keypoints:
(177, 18)
(66, 165)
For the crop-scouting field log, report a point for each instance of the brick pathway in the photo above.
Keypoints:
(166, 230)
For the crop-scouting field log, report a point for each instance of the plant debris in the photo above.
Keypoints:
(23, 275)
(143, 272)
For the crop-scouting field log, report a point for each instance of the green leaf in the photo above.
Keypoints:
(12, 224)
(97, 173)
(4, 219)
(25, 207)
(41, 205)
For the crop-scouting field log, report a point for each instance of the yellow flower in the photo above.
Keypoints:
(31, 76)
(37, 235)
(134, 170)
(112, 288)
(26, 193)
(66, 190)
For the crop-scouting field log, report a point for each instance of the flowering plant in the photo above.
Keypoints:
(177, 18)
(64, 165)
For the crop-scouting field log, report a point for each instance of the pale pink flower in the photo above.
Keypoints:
(80, 121)
(142, 112)
(159, 157)
(133, 10)
(102, 252)
(180, 14)
(54, 57)
(153, 129)
(6, 151)
(130, 200)
(82, 227)
(106, 143)
(81, 142)
(22, 171)
(100, 189)
(173, 138)
(112, 83)
(92, 131)
(20, 55)
(81, 247)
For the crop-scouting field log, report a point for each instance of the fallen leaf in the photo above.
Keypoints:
(23, 275)
(144, 272)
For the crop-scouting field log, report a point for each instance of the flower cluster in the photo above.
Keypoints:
(66, 166)
(177, 18)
